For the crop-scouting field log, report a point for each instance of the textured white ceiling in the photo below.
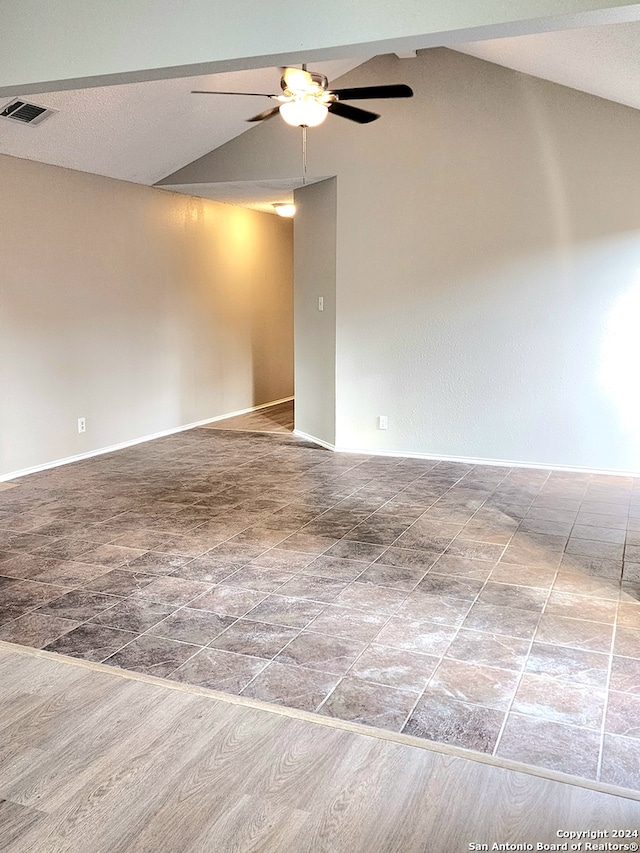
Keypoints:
(603, 61)
(143, 132)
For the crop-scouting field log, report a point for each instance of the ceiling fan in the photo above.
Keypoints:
(306, 99)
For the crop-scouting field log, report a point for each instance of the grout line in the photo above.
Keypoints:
(611, 652)
(523, 669)
(607, 694)
(319, 707)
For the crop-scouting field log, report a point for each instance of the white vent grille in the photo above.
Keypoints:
(25, 113)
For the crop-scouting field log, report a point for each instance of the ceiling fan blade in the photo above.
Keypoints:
(266, 114)
(253, 94)
(352, 113)
(296, 79)
(362, 92)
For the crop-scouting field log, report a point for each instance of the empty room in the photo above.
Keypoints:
(320, 427)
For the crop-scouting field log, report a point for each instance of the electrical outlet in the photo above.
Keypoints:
(383, 422)
(320, 303)
(82, 425)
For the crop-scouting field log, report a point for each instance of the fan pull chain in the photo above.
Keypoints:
(304, 155)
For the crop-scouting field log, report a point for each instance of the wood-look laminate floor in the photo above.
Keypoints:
(277, 418)
(94, 761)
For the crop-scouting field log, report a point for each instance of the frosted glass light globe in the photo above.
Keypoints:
(305, 112)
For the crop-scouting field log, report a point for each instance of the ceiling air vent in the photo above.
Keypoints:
(26, 113)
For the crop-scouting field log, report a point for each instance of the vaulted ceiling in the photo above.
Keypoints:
(603, 61)
(144, 131)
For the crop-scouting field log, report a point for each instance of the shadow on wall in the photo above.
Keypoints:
(272, 312)
(234, 276)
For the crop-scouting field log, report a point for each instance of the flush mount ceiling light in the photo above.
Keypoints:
(306, 99)
(285, 209)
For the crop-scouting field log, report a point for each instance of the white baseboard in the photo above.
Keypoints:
(502, 463)
(123, 444)
(470, 460)
(315, 440)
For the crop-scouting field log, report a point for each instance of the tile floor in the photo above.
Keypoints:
(497, 609)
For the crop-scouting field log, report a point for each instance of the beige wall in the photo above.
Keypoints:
(315, 330)
(488, 263)
(138, 309)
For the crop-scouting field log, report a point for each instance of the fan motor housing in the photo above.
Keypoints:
(319, 80)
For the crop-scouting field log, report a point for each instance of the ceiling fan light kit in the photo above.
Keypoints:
(306, 99)
(304, 112)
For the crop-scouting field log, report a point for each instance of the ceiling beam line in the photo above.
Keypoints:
(72, 44)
